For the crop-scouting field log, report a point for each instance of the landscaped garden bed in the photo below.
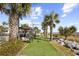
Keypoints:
(11, 48)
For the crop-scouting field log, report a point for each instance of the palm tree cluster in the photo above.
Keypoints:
(45, 25)
(37, 31)
(50, 20)
(67, 31)
(25, 27)
(15, 11)
(3, 27)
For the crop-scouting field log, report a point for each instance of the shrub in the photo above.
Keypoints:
(11, 48)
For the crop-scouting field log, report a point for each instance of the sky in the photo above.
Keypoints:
(68, 14)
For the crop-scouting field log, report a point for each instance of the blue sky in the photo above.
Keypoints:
(68, 14)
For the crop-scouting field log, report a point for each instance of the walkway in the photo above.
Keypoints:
(40, 47)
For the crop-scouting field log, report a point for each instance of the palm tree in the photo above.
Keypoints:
(25, 26)
(61, 29)
(5, 23)
(67, 31)
(44, 28)
(1, 28)
(46, 20)
(72, 29)
(36, 30)
(45, 25)
(5, 26)
(64, 31)
(15, 11)
(53, 19)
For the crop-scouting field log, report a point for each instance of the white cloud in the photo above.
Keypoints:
(36, 12)
(25, 22)
(34, 17)
(68, 7)
(67, 10)
(64, 15)
(29, 22)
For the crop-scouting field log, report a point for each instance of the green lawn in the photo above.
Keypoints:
(40, 47)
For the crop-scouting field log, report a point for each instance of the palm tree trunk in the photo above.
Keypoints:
(46, 33)
(35, 34)
(50, 32)
(13, 26)
(65, 37)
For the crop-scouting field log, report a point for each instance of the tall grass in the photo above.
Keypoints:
(11, 48)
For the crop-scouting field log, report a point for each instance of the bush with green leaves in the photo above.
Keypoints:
(67, 31)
